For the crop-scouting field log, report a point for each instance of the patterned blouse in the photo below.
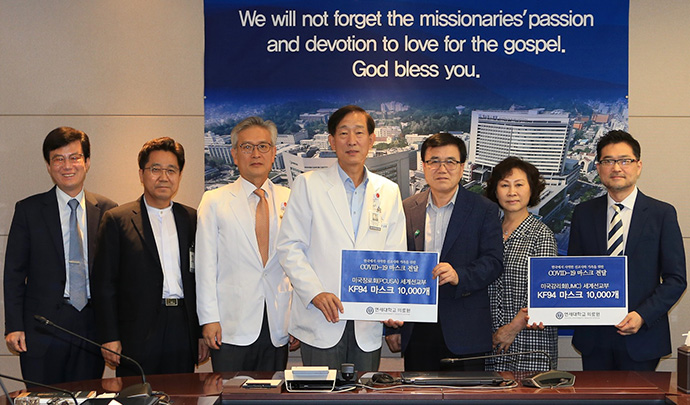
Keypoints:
(508, 294)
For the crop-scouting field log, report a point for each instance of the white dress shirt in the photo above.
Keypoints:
(165, 232)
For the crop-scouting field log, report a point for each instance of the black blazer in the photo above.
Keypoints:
(35, 273)
(474, 247)
(127, 285)
(655, 252)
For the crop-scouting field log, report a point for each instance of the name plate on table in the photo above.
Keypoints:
(578, 290)
(382, 285)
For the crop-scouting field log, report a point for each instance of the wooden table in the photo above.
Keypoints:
(591, 387)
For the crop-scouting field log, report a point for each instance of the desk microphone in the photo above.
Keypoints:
(136, 390)
(27, 382)
(551, 378)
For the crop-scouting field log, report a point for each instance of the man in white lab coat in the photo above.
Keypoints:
(343, 207)
(243, 295)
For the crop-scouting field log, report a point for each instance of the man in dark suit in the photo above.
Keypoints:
(38, 266)
(143, 290)
(464, 228)
(647, 231)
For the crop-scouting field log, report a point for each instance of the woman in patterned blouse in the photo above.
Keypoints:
(516, 185)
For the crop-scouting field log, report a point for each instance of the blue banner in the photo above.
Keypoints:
(380, 285)
(578, 290)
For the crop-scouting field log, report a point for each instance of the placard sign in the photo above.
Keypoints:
(578, 290)
(381, 285)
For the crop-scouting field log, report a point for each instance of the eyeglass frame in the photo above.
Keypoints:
(435, 164)
(626, 162)
(157, 171)
(245, 147)
(60, 160)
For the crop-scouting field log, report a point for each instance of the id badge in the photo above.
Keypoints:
(191, 259)
(374, 220)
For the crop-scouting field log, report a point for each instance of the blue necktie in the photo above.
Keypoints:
(77, 267)
(615, 239)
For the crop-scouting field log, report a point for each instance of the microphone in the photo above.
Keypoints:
(550, 379)
(27, 382)
(136, 390)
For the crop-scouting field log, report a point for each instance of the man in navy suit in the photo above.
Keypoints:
(464, 228)
(652, 241)
(37, 267)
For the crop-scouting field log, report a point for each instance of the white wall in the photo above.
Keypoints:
(126, 71)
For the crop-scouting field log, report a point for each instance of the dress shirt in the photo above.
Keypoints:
(165, 232)
(253, 200)
(436, 223)
(65, 211)
(355, 196)
(626, 213)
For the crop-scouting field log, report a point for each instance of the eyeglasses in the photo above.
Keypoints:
(59, 160)
(248, 148)
(157, 171)
(612, 162)
(435, 164)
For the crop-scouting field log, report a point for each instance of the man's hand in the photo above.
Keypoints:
(294, 343)
(445, 274)
(330, 305)
(110, 358)
(394, 342)
(213, 336)
(391, 323)
(630, 324)
(204, 352)
(16, 341)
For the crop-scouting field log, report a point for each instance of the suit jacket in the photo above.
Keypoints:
(127, 286)
(231, 280)
(655, 251)
(35, 273)
(316, 227)
(474, 247)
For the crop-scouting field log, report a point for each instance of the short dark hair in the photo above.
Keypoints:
(338, 116)
(63, 136)
(505, 167)
(443, 139)
(165, 144)
(618, 136)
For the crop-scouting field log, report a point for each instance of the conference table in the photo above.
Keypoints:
(591, 387)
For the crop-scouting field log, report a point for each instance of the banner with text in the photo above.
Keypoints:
(381, 285)
(578, 290)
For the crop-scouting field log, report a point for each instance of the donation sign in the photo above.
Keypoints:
(381, 285)
(578, 290)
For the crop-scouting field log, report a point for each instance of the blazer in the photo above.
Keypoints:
(231, 281)
(655, 252)
(127, 286)
(474, 247)
(316, 227)
(35, 273)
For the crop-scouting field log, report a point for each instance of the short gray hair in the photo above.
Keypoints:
(254, 122)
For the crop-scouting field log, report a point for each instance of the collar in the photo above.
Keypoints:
(151, 209)
(345, 178)
(628, 202)
(430, 201)
(63, 198)
(248, 188)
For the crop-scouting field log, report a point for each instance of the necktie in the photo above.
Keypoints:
(77, 264)
(615, 242)
(262, 224)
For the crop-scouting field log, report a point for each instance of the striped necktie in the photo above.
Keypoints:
(615, 240)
